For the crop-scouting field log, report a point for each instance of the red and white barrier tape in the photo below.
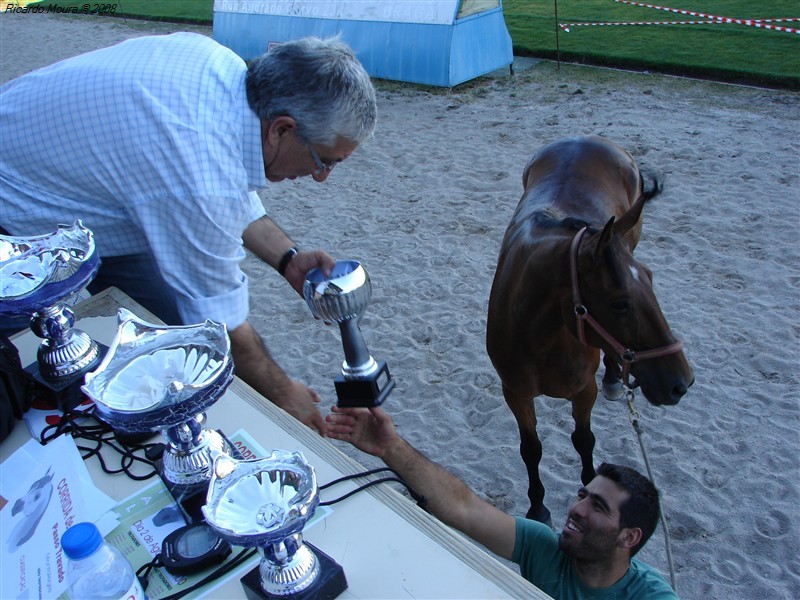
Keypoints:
(760, 23)
(566, 26)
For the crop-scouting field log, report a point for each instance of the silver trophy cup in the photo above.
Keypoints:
(342, 298)
(164, 378)
(265, 503)
(37, 275)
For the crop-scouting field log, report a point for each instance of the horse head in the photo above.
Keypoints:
(615, 293)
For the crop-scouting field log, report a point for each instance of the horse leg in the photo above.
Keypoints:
(582, 437)
(530, 448)
(612, 384)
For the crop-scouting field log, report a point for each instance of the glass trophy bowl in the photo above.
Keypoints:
(265, 503)
(37, 274)
(342, 298)
(164, 378)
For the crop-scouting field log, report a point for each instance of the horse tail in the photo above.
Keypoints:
(652, 184)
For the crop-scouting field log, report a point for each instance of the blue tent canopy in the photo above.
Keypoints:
(433, 42)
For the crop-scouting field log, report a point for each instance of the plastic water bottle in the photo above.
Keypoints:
(95, 569)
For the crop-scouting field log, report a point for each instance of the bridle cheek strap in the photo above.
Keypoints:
(626, 356)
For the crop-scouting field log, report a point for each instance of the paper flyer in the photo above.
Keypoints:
(43, 491)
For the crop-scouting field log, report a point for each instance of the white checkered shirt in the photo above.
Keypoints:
(152, 145)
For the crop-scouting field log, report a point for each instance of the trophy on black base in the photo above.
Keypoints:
(164, 378)
(37, 275)
(265, 503)
(342, 298)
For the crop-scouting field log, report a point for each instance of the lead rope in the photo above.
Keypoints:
(637, 427)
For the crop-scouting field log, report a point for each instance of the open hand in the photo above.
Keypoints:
(371, 430)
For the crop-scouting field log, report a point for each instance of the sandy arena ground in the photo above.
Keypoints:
(424, 206)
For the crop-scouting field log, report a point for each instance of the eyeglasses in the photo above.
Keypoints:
(322, 167)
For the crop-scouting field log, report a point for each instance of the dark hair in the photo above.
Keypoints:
(320, 84)
(642, 507)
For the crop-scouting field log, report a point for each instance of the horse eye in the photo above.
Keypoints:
(620, 306)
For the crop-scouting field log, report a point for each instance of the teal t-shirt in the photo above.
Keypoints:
(543, 564)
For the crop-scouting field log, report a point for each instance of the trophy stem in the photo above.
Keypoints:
(358, 361)
(191, 452)
(285, 575)
(65, 352)
(186, 464)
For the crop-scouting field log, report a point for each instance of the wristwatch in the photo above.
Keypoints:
(286, 259)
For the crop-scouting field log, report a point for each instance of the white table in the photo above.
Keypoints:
(388, 547)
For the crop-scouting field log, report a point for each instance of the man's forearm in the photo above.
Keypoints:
(266, 240)
(445, 493)
(451, 500)
(447, 497)
(255, 365)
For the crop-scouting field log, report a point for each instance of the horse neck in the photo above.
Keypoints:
(544, 258)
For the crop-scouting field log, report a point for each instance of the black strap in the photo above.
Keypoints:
(286, 259)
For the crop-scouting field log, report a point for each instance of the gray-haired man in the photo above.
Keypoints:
(158, 144)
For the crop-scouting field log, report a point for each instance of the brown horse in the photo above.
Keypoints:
(567, 286)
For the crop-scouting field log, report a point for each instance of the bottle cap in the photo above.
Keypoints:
(81, 540)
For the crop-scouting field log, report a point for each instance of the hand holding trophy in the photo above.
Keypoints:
(342, 298)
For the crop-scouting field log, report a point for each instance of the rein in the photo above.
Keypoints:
(626, 356)
(637, 427)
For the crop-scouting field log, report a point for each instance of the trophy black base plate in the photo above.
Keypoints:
(330, 582)
(192, 498)
(64, 393)
(364, 392)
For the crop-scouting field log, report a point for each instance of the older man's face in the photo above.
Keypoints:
(287, 155)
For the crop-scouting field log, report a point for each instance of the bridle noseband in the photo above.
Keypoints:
(626, 356)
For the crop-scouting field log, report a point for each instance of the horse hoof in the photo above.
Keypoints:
(613, 391)
(540, 514)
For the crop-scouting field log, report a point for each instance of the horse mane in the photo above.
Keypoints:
(651, 185)
(550, 219)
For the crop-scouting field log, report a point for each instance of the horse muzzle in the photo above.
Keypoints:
(666, 390)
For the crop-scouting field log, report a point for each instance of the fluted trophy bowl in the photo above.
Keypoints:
(37, 274)
(164, 378)
(265, 503)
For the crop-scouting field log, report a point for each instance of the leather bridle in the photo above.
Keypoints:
(626, 356)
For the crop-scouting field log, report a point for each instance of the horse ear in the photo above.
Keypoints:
(630, 218)
(605, 236)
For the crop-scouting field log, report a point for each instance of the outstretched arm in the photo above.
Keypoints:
(449, 499)
(257, 368)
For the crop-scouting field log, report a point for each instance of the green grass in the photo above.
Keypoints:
(186, 11)
(727, 52)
